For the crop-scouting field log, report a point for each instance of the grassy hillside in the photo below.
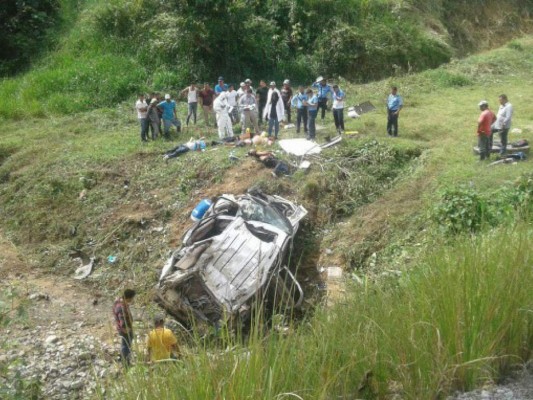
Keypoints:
(85, 182)
(103, 52)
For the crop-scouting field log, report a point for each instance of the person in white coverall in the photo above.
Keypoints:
(222, 109)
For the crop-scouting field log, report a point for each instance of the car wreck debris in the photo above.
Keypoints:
(232, 260)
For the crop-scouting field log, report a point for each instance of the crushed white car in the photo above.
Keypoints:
(232, 260)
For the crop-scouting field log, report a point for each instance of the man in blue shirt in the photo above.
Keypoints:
(169, 115)
(323, 92)
(394, 105)
(301, 110)
(221, 87)
(312, 110)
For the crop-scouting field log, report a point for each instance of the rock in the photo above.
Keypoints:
(38, 296)
(51, 339)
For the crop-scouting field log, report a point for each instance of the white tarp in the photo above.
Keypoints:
(300, 147)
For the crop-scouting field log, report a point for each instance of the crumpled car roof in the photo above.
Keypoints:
(227, 257)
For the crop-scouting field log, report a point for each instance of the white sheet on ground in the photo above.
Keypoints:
(300, 147)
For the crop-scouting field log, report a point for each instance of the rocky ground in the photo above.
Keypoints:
(62, 347)
(517, 387)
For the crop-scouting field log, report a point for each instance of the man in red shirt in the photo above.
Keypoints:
(484, 122)
(207, 96)
(124, 324)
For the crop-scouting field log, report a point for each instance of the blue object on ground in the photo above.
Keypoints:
(200, 209)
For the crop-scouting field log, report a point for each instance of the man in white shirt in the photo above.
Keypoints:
(338, 108)
(192, 102)
(142, 114)
(503, 122)
(232, 95)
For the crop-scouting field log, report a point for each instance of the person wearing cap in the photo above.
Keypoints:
(338, 108)
(192, 102)
(324, 91)
(247, 104)
(153, 118)
(248, 83)
(503, 122)
(222, 109)
(301, 109)
(221, 87)
(261, 97)
(142, 109)
(484, 123)
(207, 96)
(312, 111)
(394, 106)
(286, 96)
(169, 115)
(240, 91)
(274, 112)
(161, 343)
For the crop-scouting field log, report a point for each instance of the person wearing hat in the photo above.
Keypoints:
(221, 87)
(286, 96)
(207, 95)
(248, 83)
(161, 343)
(153, 118)
(484, 122)
(262, 96)
(142, 109)
(324, 91)
(394, 106)
(169, 115)
(247, 104)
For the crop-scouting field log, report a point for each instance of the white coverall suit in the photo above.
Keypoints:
(222, 109)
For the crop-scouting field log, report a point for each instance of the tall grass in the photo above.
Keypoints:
(461, 317)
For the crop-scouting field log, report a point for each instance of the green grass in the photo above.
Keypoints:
(424, 334)
(434, 330)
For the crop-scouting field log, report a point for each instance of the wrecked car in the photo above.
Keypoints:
(232, 260)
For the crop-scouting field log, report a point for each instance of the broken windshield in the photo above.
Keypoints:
(252, 210)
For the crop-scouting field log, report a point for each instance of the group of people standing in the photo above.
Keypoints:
(245, 105)
(489, 124)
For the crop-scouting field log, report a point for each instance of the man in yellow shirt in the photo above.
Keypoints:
(161, 342)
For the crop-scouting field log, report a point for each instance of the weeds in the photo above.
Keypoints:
(439, 330)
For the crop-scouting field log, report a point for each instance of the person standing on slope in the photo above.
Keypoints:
(324, 91)
(484, 122)
(503, 122)
(394, 106)
(124, 324)
(338, 108)
(142, 109)
(169, 115)
(222, 110)
(192, 102)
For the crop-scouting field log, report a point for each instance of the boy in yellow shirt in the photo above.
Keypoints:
(161, 342)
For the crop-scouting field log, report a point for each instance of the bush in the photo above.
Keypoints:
(444, 78)
(461, 210)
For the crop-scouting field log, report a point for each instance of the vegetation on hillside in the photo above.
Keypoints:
(416, 221)
(112, 49)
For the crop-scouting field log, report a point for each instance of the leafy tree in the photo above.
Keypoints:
(25, 24)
